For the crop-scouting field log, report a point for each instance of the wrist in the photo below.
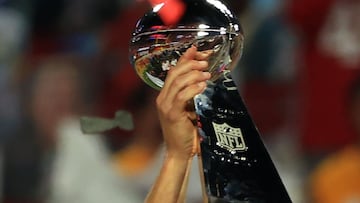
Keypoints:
(179, 157)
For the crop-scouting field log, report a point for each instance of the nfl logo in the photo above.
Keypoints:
(228, 137)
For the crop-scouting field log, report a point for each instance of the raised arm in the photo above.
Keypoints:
(183, 82)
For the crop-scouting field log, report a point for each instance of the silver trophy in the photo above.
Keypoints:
(235, 164)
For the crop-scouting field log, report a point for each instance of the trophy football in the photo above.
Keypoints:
(236, 166)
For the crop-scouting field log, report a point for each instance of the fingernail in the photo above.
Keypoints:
(202, 84)
(206, 53)
(203, 63)
(206, 74)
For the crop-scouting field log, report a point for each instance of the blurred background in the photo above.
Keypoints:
(63, 59)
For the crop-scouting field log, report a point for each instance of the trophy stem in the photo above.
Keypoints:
(234, 162)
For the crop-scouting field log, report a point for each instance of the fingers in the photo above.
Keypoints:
(176, 109)
(187, 79)
(189, 54)
(186, 63)
(182, 68)
(186, 94)
(174, 102)
(185, 67)
(178, 105)
(192, 53)
(182, 83)
(203, 55)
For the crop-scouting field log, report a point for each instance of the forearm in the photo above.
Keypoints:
(185, 183)
(171, 184)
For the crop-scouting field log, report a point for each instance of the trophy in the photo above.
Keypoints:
(235, 164)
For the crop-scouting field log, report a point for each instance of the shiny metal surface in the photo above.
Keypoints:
(208, 24)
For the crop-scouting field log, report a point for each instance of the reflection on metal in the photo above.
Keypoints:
(235, 163)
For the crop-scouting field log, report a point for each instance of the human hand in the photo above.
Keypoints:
(182, 83)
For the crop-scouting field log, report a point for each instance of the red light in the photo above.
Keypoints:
(171, 12)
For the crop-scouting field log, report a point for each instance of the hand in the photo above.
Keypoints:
(182, 83)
